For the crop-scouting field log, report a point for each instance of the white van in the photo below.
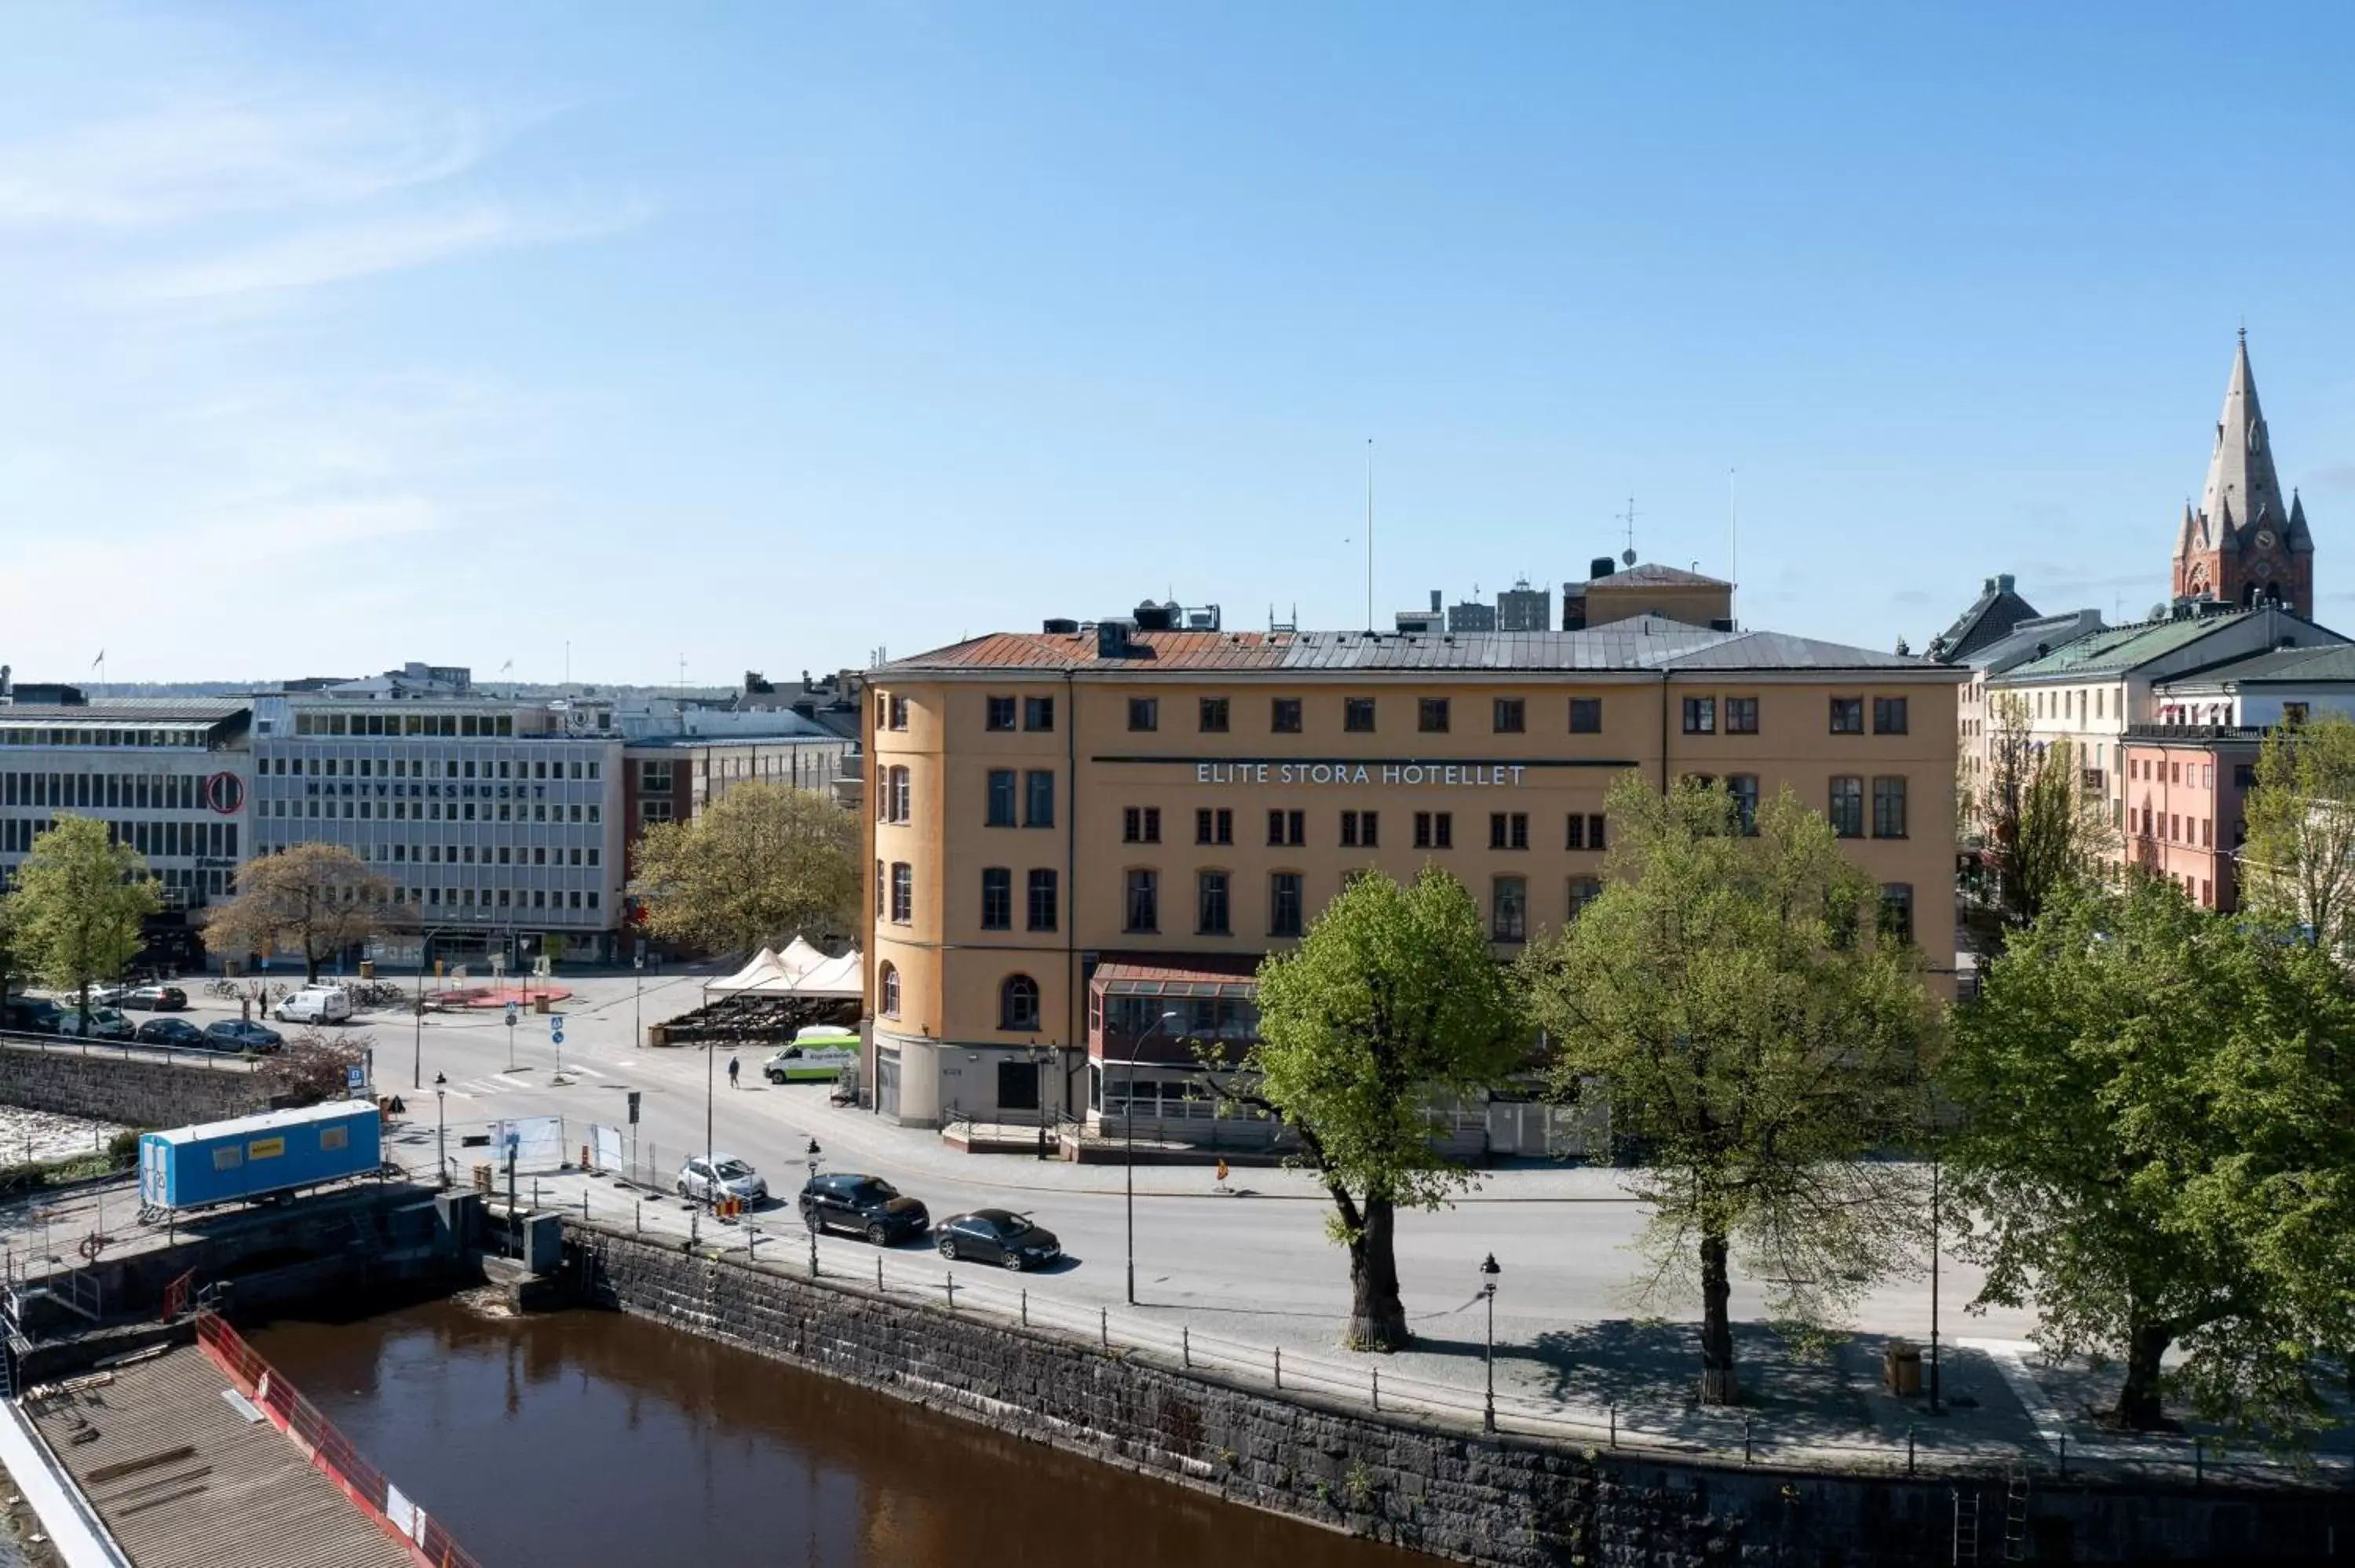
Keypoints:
(316, 1005)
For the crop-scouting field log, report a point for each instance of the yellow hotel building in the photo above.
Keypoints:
(1074, 831)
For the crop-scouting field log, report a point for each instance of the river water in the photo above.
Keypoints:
(580, 1438)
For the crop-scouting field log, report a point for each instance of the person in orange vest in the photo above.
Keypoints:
(1222, 1174)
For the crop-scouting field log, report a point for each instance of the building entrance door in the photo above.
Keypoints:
(887, 1085)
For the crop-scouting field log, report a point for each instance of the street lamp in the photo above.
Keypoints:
(809, 1205)
(711, 1085)
(1488, 1272)
(1128, 1126)
(1933, 1269)
(638, 1003)
(1038, 1066)
(416, 1053)
(440, 1128)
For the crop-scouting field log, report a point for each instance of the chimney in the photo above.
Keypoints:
(1599, 566)
(2003, 581)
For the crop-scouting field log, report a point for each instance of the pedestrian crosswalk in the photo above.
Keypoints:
(492, 1083)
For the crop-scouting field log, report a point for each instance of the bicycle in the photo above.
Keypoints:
(226, 988)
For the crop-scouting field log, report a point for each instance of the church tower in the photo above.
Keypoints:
(2243, 546)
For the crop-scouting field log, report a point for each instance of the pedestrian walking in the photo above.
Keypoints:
(734, 1067)
(1221, 1185)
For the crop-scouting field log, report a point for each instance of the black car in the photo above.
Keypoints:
(867, 1204)
(155, 998)
(174, 1032)
(31, 1015)
(233, 1035)
(1000, 1236)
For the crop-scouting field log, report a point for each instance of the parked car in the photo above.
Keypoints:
(867, 1204)
(314, 1004)
(155, 998)
(706, 1177)
(30, 1015)
(1000, 1236)
(102, 1024)
(174, 1032)
(235, 1035)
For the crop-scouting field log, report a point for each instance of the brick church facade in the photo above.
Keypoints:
(2244, 545)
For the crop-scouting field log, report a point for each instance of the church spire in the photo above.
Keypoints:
(2242, 492)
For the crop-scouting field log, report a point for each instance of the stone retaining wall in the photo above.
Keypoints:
(1511, 1502)
(140, 1089)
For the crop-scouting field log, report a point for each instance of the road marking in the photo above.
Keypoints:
(512, 1083)
(592, 1071)
(2013, 1365)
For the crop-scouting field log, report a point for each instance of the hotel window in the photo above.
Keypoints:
(1848, 714)
(1283, 904)
(1742, 716)
(1889, 807)
(1701, 715)
(996, 898)
(1214, 827)
(1140, 825)
(1431, 716)
(1214, 716)
(900, 796)
(1001, 714)
(903, 893)
(1897, 911)
(1583, 891)
(1287, 827)
(1357, 714)
(1586, 832)
(1038, 799)
(1847, 807)
(898, 710)
(1889, 716)
(1510, 909)
(1211, 904)
(1038, 713)
(1508, 829)
(1512, 715)
(1043, 901)
(1001, 798)
(1144, 713)
(1744, 787)
(1434, 830)
(1359, 829)
(1144, 906)
(1284, 715)
(887, 980)
(1586, 715)
(1017, 1003)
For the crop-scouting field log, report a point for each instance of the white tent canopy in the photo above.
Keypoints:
(801, 970)
(765, 973)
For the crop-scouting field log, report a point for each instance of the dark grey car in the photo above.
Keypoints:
(867, 1205)
(997, 1235)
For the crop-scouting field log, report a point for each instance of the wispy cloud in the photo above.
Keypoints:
(332, 253)
(199, 160)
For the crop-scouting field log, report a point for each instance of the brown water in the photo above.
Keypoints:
(582, 1438)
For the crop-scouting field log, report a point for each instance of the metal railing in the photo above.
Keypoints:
(327, 1448)
(126, 1050)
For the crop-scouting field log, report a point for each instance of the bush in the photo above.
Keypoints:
(314, 1067)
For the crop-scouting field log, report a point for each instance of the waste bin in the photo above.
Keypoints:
(367, 969)
(657, 1035)
(539, 1003)
(1900, 1368)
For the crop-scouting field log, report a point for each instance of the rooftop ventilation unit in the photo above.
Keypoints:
(1060, 626)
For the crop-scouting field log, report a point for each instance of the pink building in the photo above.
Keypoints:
(2184, 785)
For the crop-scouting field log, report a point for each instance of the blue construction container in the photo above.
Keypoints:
(258, 1156)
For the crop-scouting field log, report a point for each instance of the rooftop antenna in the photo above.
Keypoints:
(1732, 539)
(1627, 556)
(1369, 532)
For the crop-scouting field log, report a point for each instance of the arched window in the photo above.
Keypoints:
(887, 991)
(1017, 1002)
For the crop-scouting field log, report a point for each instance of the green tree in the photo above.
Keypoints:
(2045, 831)
(1756, 1050)
(2158, 1149)
(761, 862)
(2297, 865)
(315, 899)
(1393, 999)
(79, 901)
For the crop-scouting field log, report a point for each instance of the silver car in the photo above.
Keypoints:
(708, 1177)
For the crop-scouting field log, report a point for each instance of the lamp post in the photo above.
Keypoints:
(1128, 1127)
(638, 1003)
(711, 1084)
(1488, 1272)
(809, 1205)
(416, 1050)
(1933, 1270)
(1038, 1066)
(441, 1130)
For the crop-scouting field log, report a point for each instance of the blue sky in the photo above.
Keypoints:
(766, 335)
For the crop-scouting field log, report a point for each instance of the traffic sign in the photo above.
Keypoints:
(634, 1108)
(512, 1011)
(556, 1036)
(555, 1023)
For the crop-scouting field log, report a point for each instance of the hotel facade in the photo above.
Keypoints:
(1073, 832)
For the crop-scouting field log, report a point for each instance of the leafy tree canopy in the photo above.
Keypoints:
(75, 915)
(315, 899)
(760, 864)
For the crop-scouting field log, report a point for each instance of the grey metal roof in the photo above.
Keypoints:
(125, 710)
(1991, 617)
(2299, 666)
(690, 742)
(1640, 643)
